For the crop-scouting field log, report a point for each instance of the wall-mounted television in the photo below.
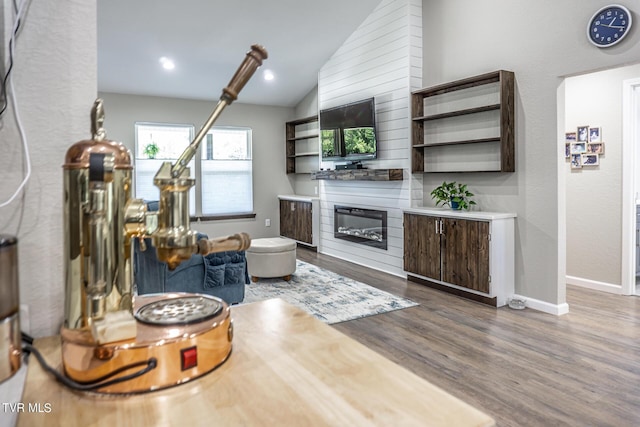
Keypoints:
(348, 132)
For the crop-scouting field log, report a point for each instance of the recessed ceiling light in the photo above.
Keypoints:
(268, 75)
(167, 63)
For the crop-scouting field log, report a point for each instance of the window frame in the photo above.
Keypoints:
(197, 172)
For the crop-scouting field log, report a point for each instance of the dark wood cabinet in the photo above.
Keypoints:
(447, 249)
(299, 220)
(295, 220)
(466, 253)
(422, 245)
(287, 219)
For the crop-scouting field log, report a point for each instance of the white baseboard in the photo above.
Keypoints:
(546, 307)
(593, 284)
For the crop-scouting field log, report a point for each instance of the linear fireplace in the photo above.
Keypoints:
(365, 226)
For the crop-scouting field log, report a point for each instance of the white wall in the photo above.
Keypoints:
(541, 48)
(54, 75)
(309, 104)
(381, 59)
(268, 135)
(594, 199)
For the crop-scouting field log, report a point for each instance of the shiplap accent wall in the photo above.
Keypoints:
(381, 59)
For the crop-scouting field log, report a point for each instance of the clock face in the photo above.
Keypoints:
(609, 25)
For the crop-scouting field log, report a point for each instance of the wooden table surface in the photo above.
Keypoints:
(286, 368)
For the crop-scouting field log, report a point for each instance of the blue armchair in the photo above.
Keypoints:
(222, 274)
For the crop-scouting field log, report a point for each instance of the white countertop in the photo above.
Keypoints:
(297, 198)
(450, 213)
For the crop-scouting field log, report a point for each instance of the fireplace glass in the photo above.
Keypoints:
(364, 226)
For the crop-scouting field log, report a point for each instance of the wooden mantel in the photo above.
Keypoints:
(359, 174)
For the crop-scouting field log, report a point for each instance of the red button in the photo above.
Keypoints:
(189, 357)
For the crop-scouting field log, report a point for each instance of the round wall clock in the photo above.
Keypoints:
(609, 25)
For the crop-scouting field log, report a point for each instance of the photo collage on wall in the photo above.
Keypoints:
(584, 147)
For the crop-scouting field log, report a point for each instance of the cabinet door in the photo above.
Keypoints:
(304, 231)
(465, 253)
(295, 220)
(287, 219)
(421, 245)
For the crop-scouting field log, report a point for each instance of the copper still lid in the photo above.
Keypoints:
(77, 156)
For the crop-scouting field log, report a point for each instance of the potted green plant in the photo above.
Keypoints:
(454, 195)
(151, 150)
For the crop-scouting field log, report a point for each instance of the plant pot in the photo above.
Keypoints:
(454, 205)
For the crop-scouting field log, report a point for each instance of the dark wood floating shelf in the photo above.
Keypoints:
(359, 175)
(467, 141)
(300, 138)
(469, 171)
(482, 79)
(309, 119)
(313, 153)
(458, 113)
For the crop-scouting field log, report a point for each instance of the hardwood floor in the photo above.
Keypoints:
(522, 367)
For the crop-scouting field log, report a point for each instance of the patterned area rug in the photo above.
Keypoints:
(327, 296)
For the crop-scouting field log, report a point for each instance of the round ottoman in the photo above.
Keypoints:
(271, 257)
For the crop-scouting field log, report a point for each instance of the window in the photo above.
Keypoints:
(226, 172)
(157, 143)
(222, 169)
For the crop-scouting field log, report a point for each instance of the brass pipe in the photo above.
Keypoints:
(99, 280)
(252, 61)
(174, 240)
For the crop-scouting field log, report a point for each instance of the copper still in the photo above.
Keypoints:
(112, 339)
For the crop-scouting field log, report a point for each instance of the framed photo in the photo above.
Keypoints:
(578, 148)
(570, 137)
(567, 150)
(595, 148)
(576, 161)
(583, 134)
(590, 160)
(595, 135)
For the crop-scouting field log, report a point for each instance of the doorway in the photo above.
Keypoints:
(600, 198)
(630, 185)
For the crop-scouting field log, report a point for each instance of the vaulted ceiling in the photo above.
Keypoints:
(207, 40)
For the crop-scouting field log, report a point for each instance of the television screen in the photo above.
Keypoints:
(348, 132)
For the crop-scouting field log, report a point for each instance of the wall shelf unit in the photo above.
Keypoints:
(429, 131)
(300, 136)
(359, 175)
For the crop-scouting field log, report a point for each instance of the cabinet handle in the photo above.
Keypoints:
(441, 226)
(437, 232)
